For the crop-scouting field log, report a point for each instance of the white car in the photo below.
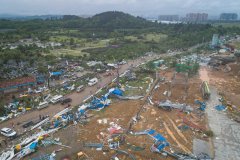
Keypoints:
(42, 105)
(122, 62)
(4, 118)
(80, 88)
(8, 132)
(40, 90)
(92, 82)
(56, 99)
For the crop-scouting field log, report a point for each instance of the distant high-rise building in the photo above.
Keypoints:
(229, 16)
(168, 18)
(196, 17)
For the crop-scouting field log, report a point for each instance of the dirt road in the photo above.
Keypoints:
(226, 138)
(226, 131)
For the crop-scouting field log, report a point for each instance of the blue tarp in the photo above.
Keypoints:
(151, 132)
(118, 92)
(33, 145)
(98, 103)
(82, 112)
(56, 73)
(202, 105)
(162, 146)
(160, 141)
(220, 107)
(159, 137)
(56, 123)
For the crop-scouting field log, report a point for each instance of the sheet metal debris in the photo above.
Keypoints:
(168, 105)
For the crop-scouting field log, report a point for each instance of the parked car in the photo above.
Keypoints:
(42, 105)
(27, 124)
(47, 98)
(93, 81)
(80, 88)
(122, 62)
(40, 90)
(4, 118)
(56, 99)
(7, 132)
(66, 100)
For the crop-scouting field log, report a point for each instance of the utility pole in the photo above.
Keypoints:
(117, 72)
(118, 84)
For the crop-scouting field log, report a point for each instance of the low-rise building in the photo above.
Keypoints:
(17, 84)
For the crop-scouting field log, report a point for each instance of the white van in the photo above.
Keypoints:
(80, 88)
(56, 99)
(42, 105)
(92, 82)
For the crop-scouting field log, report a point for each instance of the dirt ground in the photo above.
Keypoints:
(121, 112)
(75, 136)
(228, 84)
(178, 93)
(166, 122)
(171, 124)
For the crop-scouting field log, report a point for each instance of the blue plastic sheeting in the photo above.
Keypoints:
(162, 146)
(56, 124)
(202, 105)
(220, 107)
(64, 116)
(151, 132)
(160, 141)
(33, 145)
(98, 103)
(118, 92)
(159, 137)
(82, 111)
(56, 73)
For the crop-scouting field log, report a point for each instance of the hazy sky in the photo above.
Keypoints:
(136, 7)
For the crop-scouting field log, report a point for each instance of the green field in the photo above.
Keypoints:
(80, 41)
(155, 37)
(233, 24)
(236, 44)
(73, 52)
(81, 44)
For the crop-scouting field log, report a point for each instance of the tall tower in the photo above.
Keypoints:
(214, 40)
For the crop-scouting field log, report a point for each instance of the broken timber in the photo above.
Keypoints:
(142, 106)
(175, 140)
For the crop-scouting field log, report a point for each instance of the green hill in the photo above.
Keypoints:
(115, 19)
(109, 20)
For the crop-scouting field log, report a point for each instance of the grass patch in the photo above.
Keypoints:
(155, 37)
(73, 52)
(150, 37)
(138, 86)
(236, 44)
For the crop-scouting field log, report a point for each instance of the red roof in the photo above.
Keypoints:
(16, 82)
